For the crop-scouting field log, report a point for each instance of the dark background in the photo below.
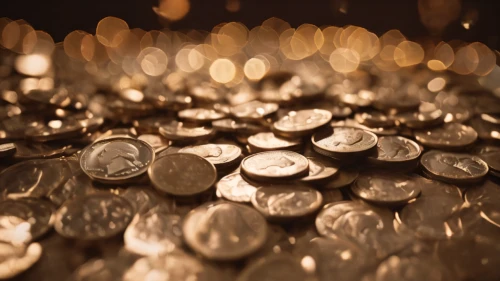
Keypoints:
(59, 17)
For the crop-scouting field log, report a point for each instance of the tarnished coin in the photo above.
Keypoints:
(157, 142)
(301, 123)
(224, 231)
(182, 174)
(200, 115)
(282, 202)
(221, 155)
(379, 131)
(116, 160)
(385, 188)
(343, 142)
(153, 233)
(344, 177)
(179, 131)
(277, 267)
(35, 212)
(454, 167)
(55, 130)
(486, 192)
(7, 149)
(450, 136)
(16, 259)
(331, 196)
(253, 110)
(275, 165)
(395, 150)
(269, 141)
(95, 216)
(319, 170)
(235, 188)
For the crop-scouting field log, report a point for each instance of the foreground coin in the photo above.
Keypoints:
(450, 136)
(116, 160)
(319, 170)
(454, 167)
(96, 216)
(277, 267)
(179, 131)
(221, 155)
(342, 142)
(235, 188)
(253, 110)
(286, 201)
(267, 141)
(224, 231)
(182, 174)
(395, 150)
(301, 123)
(15, 260)
(385, 188)
(275, 165)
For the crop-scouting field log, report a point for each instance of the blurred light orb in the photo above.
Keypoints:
(107, 30)
(437, 84)
(408, 53)
(173, 10)
(32, 65)
(222, 70)
(254, 69)
(153, 61)
(344, 60)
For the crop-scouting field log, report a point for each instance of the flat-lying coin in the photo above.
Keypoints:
(281, 202)
(301, 123)
(27, 151)
(151, 124)
(224, 231)
(450, 136)
(182, 174)
(116, 160)
(342, 142)
(454, 167)
(374, 119)
(96, 216)
(276, 267)
(55, 130)
(395, 151)
(421, 120)
(320, 169)
(235, 188)
(412, 269)
(275, 165)
(201, 115)
(385, 188)
(253, 110)
(221, 155)
(269, 141)
(179, 131)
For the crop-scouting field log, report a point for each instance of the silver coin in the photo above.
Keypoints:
(396, 149)
(235, 188)
(153, 233)
(182, 174)
(224, 231)
(385, 188)
(454, 167)
(253, 110)
(319, 170)
(117, 159)
(181, 131)
(269, 141)
(200, 115)
(16, 259)
(492, 159)
(450, 136)
(421, 120)
(221, 155)
(272, 165)
(286, 201)
(276, 267)
(96, 216)
(379, 131)
(144, 198)
(343, 141)
(302, 122)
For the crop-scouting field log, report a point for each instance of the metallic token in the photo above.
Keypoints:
(380, 131)
(486, 192)
(450, 136)
(431, 188)
(320, 169)
(421, 120)
(454, 167)
(57, 96)
(28, 151)
(224, 231)
(385, 188)
(269, 141)
(277, 267)
(280, 202)
(395, 150)
(492, 159)
(235, 188)
(331, 196)
(157, 142)
(182, 174)
(374, 119)
(275, 165)
(153, 233)
(179, 131)
(492, 118)
(95, 216)
(343, 142)
(7, 149)
(340, 111)
(301, 123)
(221, 155)
(16, 259)
(344, 177)
(411, 269)
(151, 124)
(200, 115)
(55, 130)
(229, 126)
(253, 110)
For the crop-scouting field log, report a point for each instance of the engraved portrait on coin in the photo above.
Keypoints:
(302, 122)
(454, 166)
(275, 165)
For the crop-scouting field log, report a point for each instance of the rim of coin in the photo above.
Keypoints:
(221, 155)
(385, 188)
(343, 141)
(254, 166)
(179, 131)
(126, 157)
(302, 122)
(227, 125)
(55, 130)
(391, 148)
(268, 141)
(449, 136)
(320, 169)
(183, 182)
(236, 188)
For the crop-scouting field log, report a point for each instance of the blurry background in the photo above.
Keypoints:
(468, 20)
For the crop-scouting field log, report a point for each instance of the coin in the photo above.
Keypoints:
(344, 177)
(275, 165)
(16, 259)
(385, 188)
(411, 268)
(301, 123)
(276, 267)
(224, 231)
(221, 155)
(7, 149)
(157, 142)
(319, 170)
(450, 136)
(235, 188)
(432, 188)
(492, 159)
(182, 174)
(331, 196)
(116, 160)
(454, 167)
(179, 131)
(421, 120)
(374, 119)
(395, 150)
(269, 141)
(151, 124)
(343, 142)
(281, 202)
(55, 130)
(253, 110)
(28, 151)
(95, 216)
(200, 115)
(228, 126)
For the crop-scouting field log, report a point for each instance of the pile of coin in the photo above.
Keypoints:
(373, 179)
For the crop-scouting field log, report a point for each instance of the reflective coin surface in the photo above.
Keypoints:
(253, 110)
(55, 130)
(343, 141)
(95, 216)
(235, 188)
(319, 170)
(302, 122)
(385, 188)
(181, 131)
(396, 149)
(267, 141)
(200, 115)
(7, 149)
(224, 231)
(492, 159)
(451, 135)
(218, 154)
(182, 174)
(116, 159)
(280, 164)
(157, 142)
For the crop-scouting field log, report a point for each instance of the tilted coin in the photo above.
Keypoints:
(116, 160)
(269, 141)
(179, 131)
(331, 196)
(157, 142)
(492, 159)
(229, 126)
(253, 110)
(301, 123)
(200, 115)
(7, 149)
(17, 259)
(344, 177)
(421, 120)
(374, 119)
(221, 155)
(486, 131)
(450, 136)
(343, 142)
(454, 167)
(319, 170)
(385, 188)
(275, 165)
(235, 188)
(182, 174)
(395, 149)
(95, 216)
(286, 201)
(276, 267)
(55, 130)
(224, 231)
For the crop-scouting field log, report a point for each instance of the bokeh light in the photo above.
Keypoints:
(344, 60)
(172, 9)
(222, 70)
